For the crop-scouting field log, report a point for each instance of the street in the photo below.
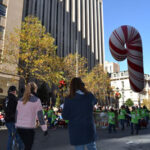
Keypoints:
(58, 140)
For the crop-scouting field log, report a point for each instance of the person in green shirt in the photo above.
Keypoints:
(49, 115)
(134, 121)
(122, 116)
(146, 115)
(143, 117)
(111, 121)
(138, 109)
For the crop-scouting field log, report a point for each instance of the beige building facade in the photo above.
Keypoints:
(10, 18)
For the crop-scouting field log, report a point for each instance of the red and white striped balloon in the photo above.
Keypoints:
(125, 42)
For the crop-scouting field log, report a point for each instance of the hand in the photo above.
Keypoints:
(45, 133)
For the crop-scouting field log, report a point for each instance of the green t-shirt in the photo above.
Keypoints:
(53, 118)
(111, 117)
(134, 117)
(139, 113)
(49, 113)
(122, 114)
(143, 113)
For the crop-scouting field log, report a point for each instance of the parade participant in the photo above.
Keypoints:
(122, 117)
(134, 121)
(128, 119)
(49, 115)
(146, 115)
(139, 117)
(78, 109)
(10, 105)
(28, 109)
(143, 117)
(111, 121)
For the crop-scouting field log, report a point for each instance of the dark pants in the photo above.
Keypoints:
(27, 136)
(12, 132)
(134, 127)
(139, 124)
(111, 126)
(122, 122)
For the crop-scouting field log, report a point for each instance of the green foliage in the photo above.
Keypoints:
(69, 66)
(98, 82)
(36, 52)
(129, 102)
(146, 102)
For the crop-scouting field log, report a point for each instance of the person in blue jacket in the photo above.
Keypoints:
(78, 109)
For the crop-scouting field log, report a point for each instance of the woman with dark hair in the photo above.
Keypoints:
(78, 109)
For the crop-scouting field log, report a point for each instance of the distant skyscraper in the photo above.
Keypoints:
(75, 24)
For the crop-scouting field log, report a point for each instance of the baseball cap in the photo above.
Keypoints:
(12, 88)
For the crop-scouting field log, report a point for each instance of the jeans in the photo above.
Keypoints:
(134, 127)
(12, 131)
(90, 146)
(122, 121)
(110, 127)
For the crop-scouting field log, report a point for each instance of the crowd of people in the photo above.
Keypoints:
(24, 115)
(134, 117)
(53, 117)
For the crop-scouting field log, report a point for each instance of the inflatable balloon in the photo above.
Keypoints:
(125, 42)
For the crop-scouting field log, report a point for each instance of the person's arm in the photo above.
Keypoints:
(40, 116)
(94, 100)
(66, 112)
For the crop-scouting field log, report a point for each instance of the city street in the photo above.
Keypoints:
(59, 140)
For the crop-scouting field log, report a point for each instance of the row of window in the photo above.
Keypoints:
(2, 10)
(2, 14)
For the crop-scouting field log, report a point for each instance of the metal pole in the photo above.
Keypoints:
(77, 63)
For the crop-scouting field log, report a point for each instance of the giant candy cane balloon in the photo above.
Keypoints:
(125, 42)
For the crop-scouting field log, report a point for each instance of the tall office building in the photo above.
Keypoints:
(77, 25)
(10, 18)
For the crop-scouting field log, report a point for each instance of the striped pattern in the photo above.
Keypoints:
(75, 24)
(125, 42)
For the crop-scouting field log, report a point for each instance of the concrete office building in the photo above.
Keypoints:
(77, 25)
(10, 18)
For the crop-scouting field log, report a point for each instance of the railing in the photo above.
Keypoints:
(101, 119)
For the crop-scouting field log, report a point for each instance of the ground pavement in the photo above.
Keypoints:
(59, 140)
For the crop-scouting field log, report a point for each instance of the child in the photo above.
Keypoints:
(122, 117)
(111, 120)
(134, 121)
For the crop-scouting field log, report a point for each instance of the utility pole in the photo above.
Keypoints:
(77, 62)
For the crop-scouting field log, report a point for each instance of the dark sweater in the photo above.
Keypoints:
(10, 105)
(79, 112)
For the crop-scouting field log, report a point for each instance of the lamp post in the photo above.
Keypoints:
(117, 98)
(77, 69)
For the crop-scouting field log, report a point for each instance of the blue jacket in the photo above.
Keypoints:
(79, 112)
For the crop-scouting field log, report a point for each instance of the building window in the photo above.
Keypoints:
(2, 10)
(114, 75)
(121, 74)
(1, 32)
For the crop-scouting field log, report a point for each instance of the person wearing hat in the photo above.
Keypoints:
(10, 105)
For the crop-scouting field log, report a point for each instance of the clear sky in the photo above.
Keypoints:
(128, 12)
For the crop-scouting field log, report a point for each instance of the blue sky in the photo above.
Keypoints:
(128, 12)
